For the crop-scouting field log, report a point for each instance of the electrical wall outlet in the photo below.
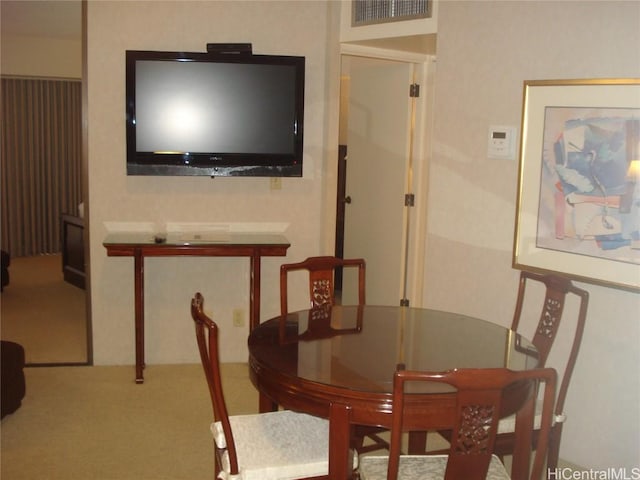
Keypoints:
(276, 183)
(238, 317)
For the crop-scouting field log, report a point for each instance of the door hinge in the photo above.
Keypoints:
(409, 199)
(414, 90)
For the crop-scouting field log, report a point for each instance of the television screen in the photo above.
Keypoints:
(214, 114)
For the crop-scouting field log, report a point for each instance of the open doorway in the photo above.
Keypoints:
(44, 305)
(382, 169)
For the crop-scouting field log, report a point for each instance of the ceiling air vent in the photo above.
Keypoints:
(366, 12)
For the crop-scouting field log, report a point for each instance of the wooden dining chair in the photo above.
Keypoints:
(478, 406)
(556, 290)
(274, 445)
(321, 279)
(322, 292)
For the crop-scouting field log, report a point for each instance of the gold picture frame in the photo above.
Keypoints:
(578, 203)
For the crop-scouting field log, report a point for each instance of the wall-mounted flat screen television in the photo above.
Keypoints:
(214, 114)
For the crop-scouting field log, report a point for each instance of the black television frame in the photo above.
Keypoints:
(214, 164)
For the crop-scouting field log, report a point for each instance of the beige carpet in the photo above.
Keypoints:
(43, 313)
(90, 423)
(95, 423)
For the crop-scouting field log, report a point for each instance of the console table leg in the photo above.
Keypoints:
(254, 292)
(139, 312)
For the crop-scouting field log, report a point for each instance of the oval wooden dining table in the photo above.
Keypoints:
(338, 363)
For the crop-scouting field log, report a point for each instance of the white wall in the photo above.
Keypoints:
(485, 52)
(289, 28)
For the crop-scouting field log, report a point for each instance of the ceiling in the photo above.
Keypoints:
(49, 18)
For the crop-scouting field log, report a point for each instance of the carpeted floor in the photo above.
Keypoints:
(95, 423)
(43, 313)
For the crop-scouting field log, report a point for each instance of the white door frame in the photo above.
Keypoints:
(416, 220)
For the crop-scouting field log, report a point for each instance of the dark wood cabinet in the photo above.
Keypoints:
(73, 250)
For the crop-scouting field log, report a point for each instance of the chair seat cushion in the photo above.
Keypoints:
(374, 467)
(277, 445)
(508, 424)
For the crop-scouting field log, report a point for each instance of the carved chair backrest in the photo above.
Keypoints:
(207, 338)
(321, 279)
(479, 400)
(556, 290)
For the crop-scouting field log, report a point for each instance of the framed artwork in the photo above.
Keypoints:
(578, 205)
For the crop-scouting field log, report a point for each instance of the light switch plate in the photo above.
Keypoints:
(502, 142)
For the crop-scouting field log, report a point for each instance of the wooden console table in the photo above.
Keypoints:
(143, 244)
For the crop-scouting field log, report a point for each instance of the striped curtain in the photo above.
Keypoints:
(41, 162)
